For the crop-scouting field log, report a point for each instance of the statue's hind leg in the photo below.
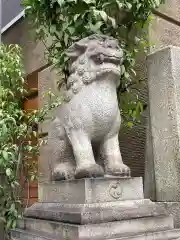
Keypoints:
(62, 158)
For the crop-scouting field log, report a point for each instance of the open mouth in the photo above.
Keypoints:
(113, 70)
(111, 59)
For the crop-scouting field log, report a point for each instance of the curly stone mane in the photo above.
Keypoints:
(88, 59)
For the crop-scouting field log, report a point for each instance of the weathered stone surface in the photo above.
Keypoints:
(47, 81)
(93, 190)
(171, 9)
(164, 99)
(163, 33)
(149, 175)
(44, 167)
(33, 51)
(173, 209)
(83, 137)
(100, 231)
(18, 234)
(94, 213)
(2, 232)
(163, 235)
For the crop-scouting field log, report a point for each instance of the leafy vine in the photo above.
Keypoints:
(16, 134)
(59, 23)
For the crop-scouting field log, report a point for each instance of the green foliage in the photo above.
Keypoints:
(67, 21)
(16, 134)
(12, 129)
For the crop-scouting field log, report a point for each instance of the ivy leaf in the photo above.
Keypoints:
(4, 129)
(96, 27)
(129, 5)
(14, 224)
(12, 185)
(71, 30)
(76, 17)
(66, 37)
(140, 107)
(9, 223)
(103, 15)
(13, 207)
(126, 75)
(8, 172)
(123, 69)
(113, 21)
(5, 155)
(33, 177)
(106, 5)
(61, 2)
(89, 1)
(119, 4)
(130, 124)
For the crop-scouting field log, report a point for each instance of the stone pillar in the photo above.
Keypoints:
(47, 81)
(163, 184)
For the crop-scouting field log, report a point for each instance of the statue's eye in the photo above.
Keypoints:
(91, 49)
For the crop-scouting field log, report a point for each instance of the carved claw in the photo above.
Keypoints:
(90, 171)
(63, 171)
(121, 170)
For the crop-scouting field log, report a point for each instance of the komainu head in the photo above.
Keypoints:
(92, 59)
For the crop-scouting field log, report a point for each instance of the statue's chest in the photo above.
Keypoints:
(104, 109)
(103, 101)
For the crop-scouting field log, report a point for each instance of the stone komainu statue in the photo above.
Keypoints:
(83, 138)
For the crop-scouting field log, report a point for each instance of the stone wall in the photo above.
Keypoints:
(33, 52)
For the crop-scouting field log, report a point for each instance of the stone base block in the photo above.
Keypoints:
(95, 213)
(163, 235)
(18, 234)
(92, 190)
(173, 209)
(116, 229)
(95, 209)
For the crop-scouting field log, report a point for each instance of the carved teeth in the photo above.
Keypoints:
(102, 57)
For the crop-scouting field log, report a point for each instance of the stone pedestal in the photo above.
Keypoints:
(95, 209)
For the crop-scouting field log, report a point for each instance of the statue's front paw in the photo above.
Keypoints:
(63, 171)
(120, 170)
(89, 171)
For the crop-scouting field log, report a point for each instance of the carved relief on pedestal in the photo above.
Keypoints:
(115, 190)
